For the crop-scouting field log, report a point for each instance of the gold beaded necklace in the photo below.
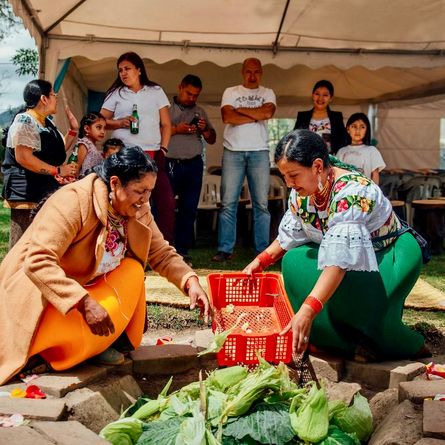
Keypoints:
(40, 118)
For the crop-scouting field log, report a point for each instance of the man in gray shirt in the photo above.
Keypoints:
(190, 128)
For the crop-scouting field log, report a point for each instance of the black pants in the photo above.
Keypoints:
(186, 180)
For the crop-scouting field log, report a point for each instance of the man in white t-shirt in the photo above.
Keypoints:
(245, 110)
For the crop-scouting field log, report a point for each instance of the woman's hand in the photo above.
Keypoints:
(73, 122)
(125, 122)
(96, 316)
(301, 324)
(198, 297)
(68, 170)
(253, 267)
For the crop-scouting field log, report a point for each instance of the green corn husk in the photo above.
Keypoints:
(220, 338)
(153, 406)
(310, 422)
(222, 379)
(123, 431)
(254, 386)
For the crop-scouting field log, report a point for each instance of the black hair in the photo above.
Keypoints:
(136, 60)
(112, 142)
(89, 119)
(302, 146)
(326, 84)
(192, 80)
(128, 164)
(354, 118)
(32, 93)
(34, 90)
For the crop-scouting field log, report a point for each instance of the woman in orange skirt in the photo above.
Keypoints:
(74, 283)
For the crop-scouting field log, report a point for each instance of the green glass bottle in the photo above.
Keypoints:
(134, 126)
(74, 155)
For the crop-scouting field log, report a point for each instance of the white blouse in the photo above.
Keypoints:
(357, 212)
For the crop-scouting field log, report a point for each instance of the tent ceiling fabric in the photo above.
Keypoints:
(377, 24)
(369, 49)
(291, 86)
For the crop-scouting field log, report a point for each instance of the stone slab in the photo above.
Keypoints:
(68, 433)
(90, 408)
(328, 366)
(22, 435)
(125, 369)
(40, 409)
(102, 402)
(434, 419)
(341, 391)
(382, 403)
(418, 390)
(164, 360)
(405, 373)
(403, 425)
(203, 338)
(58, 384)
(374, 375)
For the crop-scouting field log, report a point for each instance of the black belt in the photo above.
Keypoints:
(184, 161)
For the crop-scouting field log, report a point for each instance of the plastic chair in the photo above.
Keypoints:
(278, 191)
(210, 197)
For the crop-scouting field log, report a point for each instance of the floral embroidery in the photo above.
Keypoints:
(338, 186)
(364, 204)
(342, 205)
(112, 237)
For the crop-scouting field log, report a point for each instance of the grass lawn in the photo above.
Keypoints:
(177, 319)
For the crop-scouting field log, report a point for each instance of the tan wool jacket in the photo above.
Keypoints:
(59, 253)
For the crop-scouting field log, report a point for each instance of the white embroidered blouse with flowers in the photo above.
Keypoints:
(357, 212)
(115, 244)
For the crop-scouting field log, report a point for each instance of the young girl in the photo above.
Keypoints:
(359, 153)
(92, 130)
(111, 146)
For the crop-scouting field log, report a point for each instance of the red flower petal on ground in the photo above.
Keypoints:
(34, 392)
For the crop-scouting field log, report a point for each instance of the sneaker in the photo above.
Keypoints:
(221, 256)
(110, 356)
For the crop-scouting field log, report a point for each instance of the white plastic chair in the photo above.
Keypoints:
(210, 197)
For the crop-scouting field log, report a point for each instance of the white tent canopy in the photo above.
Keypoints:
(373, 52)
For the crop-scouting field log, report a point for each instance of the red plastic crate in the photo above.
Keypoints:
(267, 308)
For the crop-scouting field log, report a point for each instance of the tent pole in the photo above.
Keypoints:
(64, 16)
(283, 16)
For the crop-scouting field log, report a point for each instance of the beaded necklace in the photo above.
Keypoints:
(40, 118)
(321, 198)
(117, 231)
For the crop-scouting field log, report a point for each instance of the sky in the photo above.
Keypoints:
(11, 85)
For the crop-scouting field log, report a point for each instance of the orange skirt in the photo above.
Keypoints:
(65, 341)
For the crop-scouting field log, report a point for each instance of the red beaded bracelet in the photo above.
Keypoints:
(265, 259)
(72, 133)
(315, 303)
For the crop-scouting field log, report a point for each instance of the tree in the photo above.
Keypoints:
(27, 61)
(7, 19)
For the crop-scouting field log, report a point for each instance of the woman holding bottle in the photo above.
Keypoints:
(134, 98)
(35, 154)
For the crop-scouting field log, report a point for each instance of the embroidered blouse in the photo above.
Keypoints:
(115, 244)
(357, 212)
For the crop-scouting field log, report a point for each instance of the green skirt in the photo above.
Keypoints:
(367, 307)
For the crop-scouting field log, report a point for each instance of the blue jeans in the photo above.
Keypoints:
(236, 165)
